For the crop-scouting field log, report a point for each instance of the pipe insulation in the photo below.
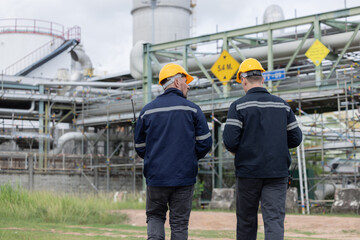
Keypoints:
(78, 136)
(78, 55)
(282, 53)
(19, 111)
(89, 84)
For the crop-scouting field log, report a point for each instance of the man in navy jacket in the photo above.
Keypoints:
(171, 135)
(260, 128)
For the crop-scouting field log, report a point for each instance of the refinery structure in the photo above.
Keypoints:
(62, 128)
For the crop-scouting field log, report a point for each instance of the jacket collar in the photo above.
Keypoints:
(174, 91)
(256, 90)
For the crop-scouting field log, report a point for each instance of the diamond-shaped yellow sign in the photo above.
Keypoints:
(317, 52)
(225, 67)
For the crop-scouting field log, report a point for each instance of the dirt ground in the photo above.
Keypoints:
(297, 226)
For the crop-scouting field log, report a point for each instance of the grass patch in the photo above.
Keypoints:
(302, 232)
(43, 231)
(338, 215)
(17, 203)
(55, 231)
(351, 231)
(212, 234)
(131, 201)
(327, 215)
(307, 238)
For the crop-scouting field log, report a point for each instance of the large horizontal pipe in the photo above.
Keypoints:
(19, 111)
(89, 84)
(78, 136)
(36, 97)
(25, 135)
(282, 50)
(282, 53)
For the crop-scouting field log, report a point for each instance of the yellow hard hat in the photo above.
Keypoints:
(247, 65)
(171, 69)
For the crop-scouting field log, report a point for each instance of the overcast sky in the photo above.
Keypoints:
(106, 25)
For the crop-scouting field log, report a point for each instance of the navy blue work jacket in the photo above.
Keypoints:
(260, 128)
(171, 134)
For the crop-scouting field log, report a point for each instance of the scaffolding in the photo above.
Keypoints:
(96, 141)
(309, 89)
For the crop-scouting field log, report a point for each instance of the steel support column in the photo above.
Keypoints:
(270, 56)
(318, 69)
(147, 86)
(219, 177)
(226, 87)
(185, 57)
(147, 75)
(41, 129)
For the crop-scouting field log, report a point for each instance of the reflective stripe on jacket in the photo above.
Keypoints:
(260, 128)
(171, 134)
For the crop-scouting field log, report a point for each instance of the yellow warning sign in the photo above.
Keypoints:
(317, 52)
(225, 67)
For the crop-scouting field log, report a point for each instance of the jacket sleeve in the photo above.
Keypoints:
(233, 129)
(203, 139)
(140, 137)
(294, 134)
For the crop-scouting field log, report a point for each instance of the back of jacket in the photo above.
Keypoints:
(260, 129)
(171, 134)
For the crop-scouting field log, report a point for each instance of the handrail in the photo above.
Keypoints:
(73, 33)
(32, 57)
(35, 26)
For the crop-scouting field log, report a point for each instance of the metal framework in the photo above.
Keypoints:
(314, 96)
(101, 112)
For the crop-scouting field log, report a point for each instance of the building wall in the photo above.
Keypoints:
(70, 183)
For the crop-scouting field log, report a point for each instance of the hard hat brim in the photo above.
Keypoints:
(249, 64)
(171, 69)
(189, 78)
(238, 77)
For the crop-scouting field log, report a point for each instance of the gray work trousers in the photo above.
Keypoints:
(272, 194)
(179, 201)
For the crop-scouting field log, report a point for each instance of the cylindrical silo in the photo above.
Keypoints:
(158, 21)
(273, 13)
(23, 41)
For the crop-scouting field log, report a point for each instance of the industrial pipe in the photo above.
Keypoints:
(19, 111)
(281, 52)
(43, 97)
(78, 136)
(78, 55)
(90, 84)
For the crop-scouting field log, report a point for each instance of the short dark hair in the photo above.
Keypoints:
(253, 79)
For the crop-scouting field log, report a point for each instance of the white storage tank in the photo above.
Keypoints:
(25, 41)
(274, 13)
(171, 20)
